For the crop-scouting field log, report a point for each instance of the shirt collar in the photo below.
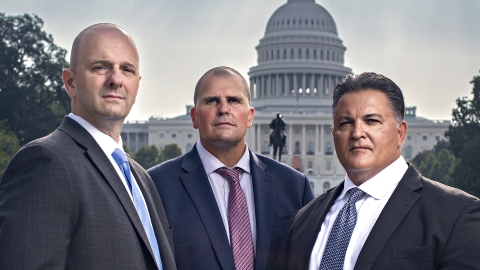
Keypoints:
(105, 142)
(211, 163)
(380, 185)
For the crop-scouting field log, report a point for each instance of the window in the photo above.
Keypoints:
(310, 148)
(321, 54)
(437, 138)
(174, 135)
(266, 56)
(310, 131)
(328, 148)
(315, 54)
(160, 135)
(292, 52)
(299, 53)
(266, 148)
(424, 137)
(408, 151)
(409, 137)
(310, 167)
(189, 136)
(297, 148)
(284, 53)
(328, 55)
(266, 131)
(307, 54)
(188, 147)
(329, 165)
(278, 54)
(297, 131)
(271, 55)
(326, 187)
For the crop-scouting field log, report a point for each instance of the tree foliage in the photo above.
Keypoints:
(32, 99)
(464, 136)
(147, 156)
(170, 151)
(436, 164)
(9, 145)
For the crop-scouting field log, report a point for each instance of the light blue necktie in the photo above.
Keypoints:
(337, 243)
(142, 211)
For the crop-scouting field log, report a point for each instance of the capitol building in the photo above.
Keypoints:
(300, 59)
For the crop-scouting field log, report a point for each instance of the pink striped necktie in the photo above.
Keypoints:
(239, 221)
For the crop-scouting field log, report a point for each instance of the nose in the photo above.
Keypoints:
(115, 80)
(223, 107)
(358, 130)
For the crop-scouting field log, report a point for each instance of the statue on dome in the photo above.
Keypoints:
(278, 137)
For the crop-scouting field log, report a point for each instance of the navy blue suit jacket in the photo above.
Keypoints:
(199, 234)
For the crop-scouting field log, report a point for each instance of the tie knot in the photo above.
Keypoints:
(355, 195)
(119, 156)
(232, 175)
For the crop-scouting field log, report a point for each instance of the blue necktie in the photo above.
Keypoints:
(337, 243)
(140, 206)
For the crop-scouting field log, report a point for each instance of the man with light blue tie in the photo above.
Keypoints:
(73, 199)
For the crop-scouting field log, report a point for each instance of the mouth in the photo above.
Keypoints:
(359, 148)
(113, 97)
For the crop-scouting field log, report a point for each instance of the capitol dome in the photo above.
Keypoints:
(300, 59)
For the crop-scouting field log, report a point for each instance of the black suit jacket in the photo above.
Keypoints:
(424, 225)
(199, 234)
(63, 206)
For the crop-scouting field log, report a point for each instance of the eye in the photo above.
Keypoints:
(373, 121)
(212, 100)
(129, 71)
(344, 123)
(100, 69)
(233, 100)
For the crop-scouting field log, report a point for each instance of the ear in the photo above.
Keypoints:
(193, 115)
(68, 77)
(251, 114)
(402, 132)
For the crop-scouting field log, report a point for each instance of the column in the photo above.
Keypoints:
(304, 142)
(312, 86)
(285, 85)
(304, 84)
(320, 86)
(315, 145)
(252, 87)
(261, 88)
(322, 139)
(269, 86)
(290, 140)
(277, 85)
(295, 88)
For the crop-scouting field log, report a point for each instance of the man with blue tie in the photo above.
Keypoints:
(229, 207)
(385, 215)
(73, 199)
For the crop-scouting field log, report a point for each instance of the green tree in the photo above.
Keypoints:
(9, 145)
(32, 98)
(147, 156)
(464, 136)
(170, 151)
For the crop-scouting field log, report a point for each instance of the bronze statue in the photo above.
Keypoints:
(278, 137)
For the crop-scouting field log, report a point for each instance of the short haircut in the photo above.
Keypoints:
(78, 40)
(221, 71)
(367, 81)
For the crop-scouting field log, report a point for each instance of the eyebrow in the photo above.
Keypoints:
(107, 62)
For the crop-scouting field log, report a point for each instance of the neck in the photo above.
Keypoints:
(228, 155)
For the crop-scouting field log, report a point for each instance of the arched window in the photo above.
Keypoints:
(292, 53)
(278, 54)
(307, 56)
(315, 54)
(299, 53)
(284, 53)
(326, 186)
(328, 148)
(408, 151)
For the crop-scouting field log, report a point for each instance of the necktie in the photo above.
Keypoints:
(140, 206)
(337, 243)
(239, 221)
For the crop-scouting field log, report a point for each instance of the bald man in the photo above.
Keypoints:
(73, 199)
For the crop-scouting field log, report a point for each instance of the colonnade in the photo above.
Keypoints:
(135, 140)
(292, 84)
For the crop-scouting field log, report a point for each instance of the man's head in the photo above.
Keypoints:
(222, 111)
(368, 127)
(104, 75)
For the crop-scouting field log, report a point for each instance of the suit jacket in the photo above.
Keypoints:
(63, 206)
(199, 234)
(424, 225)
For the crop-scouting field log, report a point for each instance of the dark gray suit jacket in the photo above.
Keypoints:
(199, 234)
(63, 206)
(424, 225)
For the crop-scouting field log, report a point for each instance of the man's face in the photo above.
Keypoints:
(105, 83)
(365, 133)
(222, 114)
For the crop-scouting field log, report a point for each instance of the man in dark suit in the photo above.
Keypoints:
(197, 197)
(66, 200)
(385, 215)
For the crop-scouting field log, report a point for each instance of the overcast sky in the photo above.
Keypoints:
(430, 48)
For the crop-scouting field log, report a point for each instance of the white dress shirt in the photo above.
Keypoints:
(220, 186)
(379, 189)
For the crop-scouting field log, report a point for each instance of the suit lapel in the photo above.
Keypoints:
(312, 226)
(105, 168)
(402, 200)
(198, 188)
(264, 197)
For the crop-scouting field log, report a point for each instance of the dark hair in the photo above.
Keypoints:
(371, 80)
(221, 71)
